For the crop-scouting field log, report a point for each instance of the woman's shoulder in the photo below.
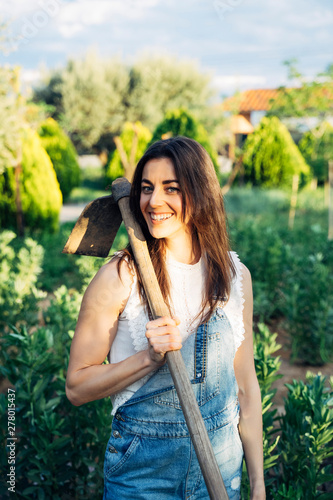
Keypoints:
(112, 283)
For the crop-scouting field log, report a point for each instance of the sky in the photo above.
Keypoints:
(242, 44)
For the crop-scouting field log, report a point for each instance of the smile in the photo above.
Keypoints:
(159, 217)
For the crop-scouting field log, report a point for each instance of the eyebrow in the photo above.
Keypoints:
(163, 182)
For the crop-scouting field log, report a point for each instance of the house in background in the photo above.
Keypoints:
(247, 109)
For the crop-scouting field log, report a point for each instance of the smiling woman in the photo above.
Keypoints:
(161, 204)
(177, 200)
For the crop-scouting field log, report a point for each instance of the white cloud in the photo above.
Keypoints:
(77, 15)
(72, 17)
(226, 82)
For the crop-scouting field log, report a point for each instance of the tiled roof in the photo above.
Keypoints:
(250, 100)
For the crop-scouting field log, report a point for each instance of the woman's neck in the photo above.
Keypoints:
(186, 252)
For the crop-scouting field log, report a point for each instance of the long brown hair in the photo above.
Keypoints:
(203, 202)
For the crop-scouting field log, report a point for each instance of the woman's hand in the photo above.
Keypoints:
(163, 336)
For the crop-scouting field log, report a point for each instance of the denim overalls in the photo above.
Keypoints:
(149, 455)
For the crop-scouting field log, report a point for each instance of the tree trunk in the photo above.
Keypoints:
(18, 203)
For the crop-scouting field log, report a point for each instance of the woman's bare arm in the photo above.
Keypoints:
(106, 296)
(250, 424)
(87, 378)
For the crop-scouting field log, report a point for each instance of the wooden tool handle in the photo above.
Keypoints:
(194, 420)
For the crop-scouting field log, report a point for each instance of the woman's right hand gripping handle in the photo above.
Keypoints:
(163, 335)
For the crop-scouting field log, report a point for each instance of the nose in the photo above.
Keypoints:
(156, 198)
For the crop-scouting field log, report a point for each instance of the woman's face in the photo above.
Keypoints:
(161, 200)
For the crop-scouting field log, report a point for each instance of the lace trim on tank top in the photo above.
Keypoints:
(235, 305)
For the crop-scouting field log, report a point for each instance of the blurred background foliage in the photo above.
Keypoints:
(62, 154)
(103, 107)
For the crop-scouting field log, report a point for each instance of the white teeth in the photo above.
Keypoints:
(160, 217)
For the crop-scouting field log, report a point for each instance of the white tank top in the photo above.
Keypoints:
(187, 282)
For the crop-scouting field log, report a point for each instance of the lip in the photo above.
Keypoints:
(159, 213)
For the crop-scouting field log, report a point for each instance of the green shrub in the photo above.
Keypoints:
(267, 367)
(62, 313)
(19, 271)
(115, 168)
(40, 193)
(306, 437)
(317, 148)
(265, 261)
(58, 268)
(63, 155)
(181, 122)
(271, 157)
(308, 308)
(60, 448)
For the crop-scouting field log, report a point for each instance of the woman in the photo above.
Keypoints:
(177, 200)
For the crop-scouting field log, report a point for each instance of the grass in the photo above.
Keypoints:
(271, 206)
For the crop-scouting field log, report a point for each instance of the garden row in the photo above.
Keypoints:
(61, 447)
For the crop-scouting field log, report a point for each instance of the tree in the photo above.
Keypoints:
(162, 83)
(62, 154)
(306, 99)
(182, 122)
(271, 157)
(39, 189)
(88, 96)
(130, 147)
(12, 122)
(317, 148)
(93, 98)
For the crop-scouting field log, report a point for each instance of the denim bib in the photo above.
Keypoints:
(150, 455)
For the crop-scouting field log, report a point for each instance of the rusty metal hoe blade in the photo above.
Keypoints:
(95, 229)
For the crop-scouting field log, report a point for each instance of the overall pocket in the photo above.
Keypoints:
(119, 450)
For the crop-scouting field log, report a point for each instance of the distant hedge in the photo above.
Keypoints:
(63, 155)
(271, 157)
(317, 148)
(41, 197)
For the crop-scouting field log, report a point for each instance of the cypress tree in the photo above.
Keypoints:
(271, 157)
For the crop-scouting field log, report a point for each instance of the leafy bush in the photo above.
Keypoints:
(317, 148)
(306, 437)
(63, 155)
(308, 308)
(62, 314)
(115, 168)
(181, 122)
(19, 271)
(58, 268)
(271, 157)
(40, 193)
(265, 262)
(266, 366)
(60, 448)
(292, 270)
